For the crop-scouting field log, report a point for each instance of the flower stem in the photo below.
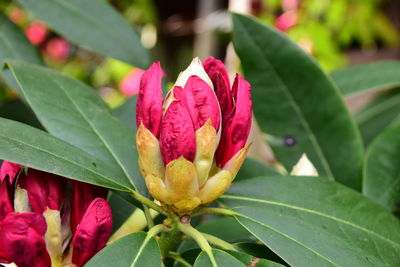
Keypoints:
(218, 242)
(220, 211)
(176, 257)
(145, 201)
(200, 240)
(149, 218)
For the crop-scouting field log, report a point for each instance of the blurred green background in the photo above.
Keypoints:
(337, 33)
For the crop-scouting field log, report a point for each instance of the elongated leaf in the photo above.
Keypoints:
(126, 113)
(368, 77)
(93, 24)
(133, 250)
(249, 260)
(34, 148)
(253, 168)
(75, 113)
(259, 251)
(312, 221)
(294, 100)
(16, 110)
(379, 114)
(222, 259)
(381, 180)
(14, 44)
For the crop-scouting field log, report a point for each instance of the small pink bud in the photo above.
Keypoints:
(57, 49)
(130, 84)
(286, 21)
(93, 232)
(177, 136)
(149, 103)
(219, 76)
(201, 102)
(36, 32)
(9, 169)
(21, 240)
(83, 195)
(237, 129)
(45, 190)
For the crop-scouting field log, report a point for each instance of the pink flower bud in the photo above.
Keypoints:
(200, 100)
(93, 232)
(45, 190)
(21, 240)
(6, 198)
(83, 195)
(149, 103)
(219, 76)
(9, 169)
(36, 32)
(237, 129)
(130, 84)
(177, 137)
(57, 49)
(287, 20)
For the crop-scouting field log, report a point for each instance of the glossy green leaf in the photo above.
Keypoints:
(311, 221)
(249, 260)
(14, 44)
(222, 259)
(253, 168)
(133, 250)
(381, 113)
(292, 97)
(36, 149)
(126, 113)
(16, 110)
(368, 77)
(381, 181)
(75, 113)
(93, 24)
(259, 250)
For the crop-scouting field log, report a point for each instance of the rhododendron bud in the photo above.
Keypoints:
(93, 231)
(21, 240)
(6, 198)
(57, 49)
(200, 114)
(130, 84)
(149, 102)
(9, 169)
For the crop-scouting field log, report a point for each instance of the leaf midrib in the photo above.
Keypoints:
(301, 117)
(338, 220)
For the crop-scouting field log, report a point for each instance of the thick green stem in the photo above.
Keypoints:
(220, 211)
(147, 215)
(176, 257)
(169, 240)
(200, 240)
(219, 242)
(144, 200)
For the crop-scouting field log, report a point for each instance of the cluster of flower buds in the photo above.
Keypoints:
(45, 221)
(192, 144)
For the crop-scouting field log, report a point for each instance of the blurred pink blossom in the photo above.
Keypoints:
(130, 84)
(57, 49)
(36, 32)
(287, 20)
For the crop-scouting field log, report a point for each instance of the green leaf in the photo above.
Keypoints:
(222, 259)
(14, 44)
(133, 250)
(126, 113)
(16, 110)
(368, 77)
(311, 221)
(381, 113)
(36, 149)
(381, 181)
(253, 168)
(249, 260)
(259, 251)
(75, 113)
(292, 97)
(93, 24)
(121, 209)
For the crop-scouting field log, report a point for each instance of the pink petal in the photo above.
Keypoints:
(177, 137)
(236, 131)
(45, 190)
(36, 32)
(219, 76)
(149, 102)
(6, 198)
(201, 102)
(130, 85)
(93, 232)
(9, 169)
(21, 240)
(83, 195)
(57, 49)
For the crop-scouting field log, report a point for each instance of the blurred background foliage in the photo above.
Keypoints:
(336, 33)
